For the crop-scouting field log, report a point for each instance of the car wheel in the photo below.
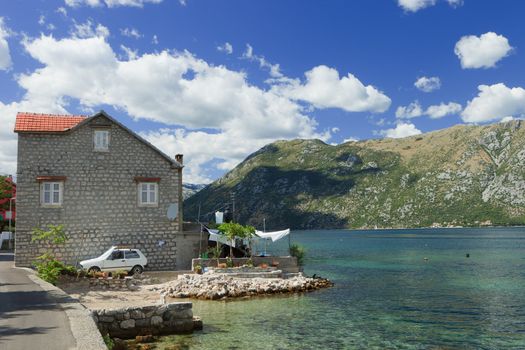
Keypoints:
(137, 270)
(94, 269)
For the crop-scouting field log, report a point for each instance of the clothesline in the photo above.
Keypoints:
(216, 236)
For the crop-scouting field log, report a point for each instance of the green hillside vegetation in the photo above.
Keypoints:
(460, 176)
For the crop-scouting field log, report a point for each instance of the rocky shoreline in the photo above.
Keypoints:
(216, 286)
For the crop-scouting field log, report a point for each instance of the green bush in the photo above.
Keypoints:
(109, 342)
(49, 268)
(299, 252)
(55, 234)
(120, 274)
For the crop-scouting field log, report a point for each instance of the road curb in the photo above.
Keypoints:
(81, 322)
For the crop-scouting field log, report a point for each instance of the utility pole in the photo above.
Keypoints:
(200, 238)
(10, 218)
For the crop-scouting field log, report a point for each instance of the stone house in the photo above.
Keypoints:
(104, 183)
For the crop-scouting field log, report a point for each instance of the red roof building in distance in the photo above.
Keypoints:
(7, 191)
(36, 122)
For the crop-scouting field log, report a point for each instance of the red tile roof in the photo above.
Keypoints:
(36, 122)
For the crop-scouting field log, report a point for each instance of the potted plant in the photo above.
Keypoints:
(120, 274)
(197, 269)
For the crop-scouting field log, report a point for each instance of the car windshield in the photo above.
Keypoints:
(107, 253)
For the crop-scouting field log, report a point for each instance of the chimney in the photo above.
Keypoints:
(178, 158)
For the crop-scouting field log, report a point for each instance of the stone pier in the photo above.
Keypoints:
(129, 322)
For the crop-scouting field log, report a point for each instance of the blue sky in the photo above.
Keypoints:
(216, 80)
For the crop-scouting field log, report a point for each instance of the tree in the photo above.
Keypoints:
(233, 230)
(7, 191)
(55, 235)
(249, 233)
(49, 267)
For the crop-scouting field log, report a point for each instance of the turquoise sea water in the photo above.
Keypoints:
(386, 296)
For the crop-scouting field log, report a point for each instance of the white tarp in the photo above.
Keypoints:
(219, 216)
(215, 236)
(274, 236)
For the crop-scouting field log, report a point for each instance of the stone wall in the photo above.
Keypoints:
(100, 196)
(287, 264)
(127, 283)
(156, 319)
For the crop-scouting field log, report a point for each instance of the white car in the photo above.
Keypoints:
(117, 258)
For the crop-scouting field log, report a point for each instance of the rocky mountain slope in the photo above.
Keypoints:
(189, 190)
(460, 176)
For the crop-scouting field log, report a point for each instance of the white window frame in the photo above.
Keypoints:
(52, 191)
(152, 188)
(98, 140)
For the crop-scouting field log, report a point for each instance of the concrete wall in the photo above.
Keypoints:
(156, 319)
(100, 199)
(190, 242)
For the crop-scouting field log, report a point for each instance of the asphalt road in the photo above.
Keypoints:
(29, 317)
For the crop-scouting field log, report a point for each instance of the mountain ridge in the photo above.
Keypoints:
(464, 175)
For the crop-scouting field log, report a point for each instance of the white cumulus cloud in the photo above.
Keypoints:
(415, 5)
(131, 33)
(413, 110)
(173, 88)
(443, 109)
(62, 10)
(275, 69)
(455, 3)
(5, 55)
(181, 91)
(89, 29)
(483, 51)
(401, 130)
(350, 139)
(109, 3)
(428, 84)
(130, 53)
(324, 88)
(495, 102)
(226, 47)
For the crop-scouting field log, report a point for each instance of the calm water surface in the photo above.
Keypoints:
(386, 295)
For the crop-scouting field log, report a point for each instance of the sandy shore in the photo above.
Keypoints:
(105, 299)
